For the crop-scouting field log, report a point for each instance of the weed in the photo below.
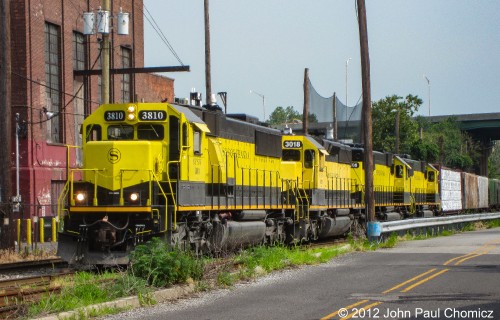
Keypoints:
(493, 224)
(225, 279)
(85, 289)
(202, 286)
(160, 265)
(390, 242)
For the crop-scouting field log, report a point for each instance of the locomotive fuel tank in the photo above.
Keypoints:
(236, 234)
(331, 227)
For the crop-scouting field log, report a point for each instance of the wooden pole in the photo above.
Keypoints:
(6, 123)
(208, 69)
(366, 111)
(305, 115)
(335, 127)
(106, 6)
(398, 114)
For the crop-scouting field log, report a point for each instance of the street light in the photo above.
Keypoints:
(346, 64)
(263, 102)
(429, 92)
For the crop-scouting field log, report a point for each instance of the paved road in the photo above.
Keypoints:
(455, 277)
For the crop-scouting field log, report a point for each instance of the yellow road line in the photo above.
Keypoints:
(408, 281)
(424, 280)
(485, 251)
(348, 307)
(473, 253)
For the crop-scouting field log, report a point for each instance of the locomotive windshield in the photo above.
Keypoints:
(150, 132)
(120, 132)
(291, 155)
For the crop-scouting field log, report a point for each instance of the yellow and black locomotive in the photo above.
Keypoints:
(207, 181)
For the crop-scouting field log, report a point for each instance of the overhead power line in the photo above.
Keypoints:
(160, 33)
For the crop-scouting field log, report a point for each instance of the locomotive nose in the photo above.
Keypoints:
(127, 162)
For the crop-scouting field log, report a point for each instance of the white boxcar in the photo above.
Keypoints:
(450, 189)
(482, 186)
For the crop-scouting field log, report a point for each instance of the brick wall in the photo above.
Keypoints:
(42, 163)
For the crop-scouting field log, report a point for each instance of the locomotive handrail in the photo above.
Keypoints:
(122, 200)
(169, 181)
(60, 204)
(165, 196)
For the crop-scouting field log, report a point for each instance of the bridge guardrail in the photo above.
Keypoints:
(434, 223)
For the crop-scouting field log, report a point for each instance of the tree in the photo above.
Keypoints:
(281, 115)
(442, 142)
(446, 144)
(288, 115)
(385, 113)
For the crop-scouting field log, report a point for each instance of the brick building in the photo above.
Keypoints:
(47, 45)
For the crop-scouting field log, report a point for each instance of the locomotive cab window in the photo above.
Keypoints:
(150, 132)
(431, 176)
(196, 141)
(120, 132)
(291, 155)
(309, 158)
(399, 171)
(94, 133)
(185, 135)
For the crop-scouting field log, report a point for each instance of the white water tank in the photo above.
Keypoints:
(123, 21)
(88, 23)
(103, 21)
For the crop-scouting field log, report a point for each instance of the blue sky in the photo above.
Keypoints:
(264, 46)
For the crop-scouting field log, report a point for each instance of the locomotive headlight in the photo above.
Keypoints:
(134, 196)
(131, 112)
(80, 197)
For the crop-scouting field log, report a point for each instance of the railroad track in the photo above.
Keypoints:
(33, 264)
(15, 293)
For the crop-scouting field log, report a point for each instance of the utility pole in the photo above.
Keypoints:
(106, 6)
(5, 124)
(398, 115)
(305, 115)
(335, 127)
(208, 69)
(366, 111)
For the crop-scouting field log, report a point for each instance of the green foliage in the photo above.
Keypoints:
(225, 279)
(261, 260)
(85, 289)
(281, 115)
(160, 265)
(312, 118)
(384, 115)
(456, 149)
(390, 242)
(441, 142)
(493, 224)
(494, 162)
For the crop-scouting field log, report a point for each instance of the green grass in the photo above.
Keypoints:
(261, 260)
(84, 289)
(493, 224)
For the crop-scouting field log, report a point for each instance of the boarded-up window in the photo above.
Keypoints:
(267, 144)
